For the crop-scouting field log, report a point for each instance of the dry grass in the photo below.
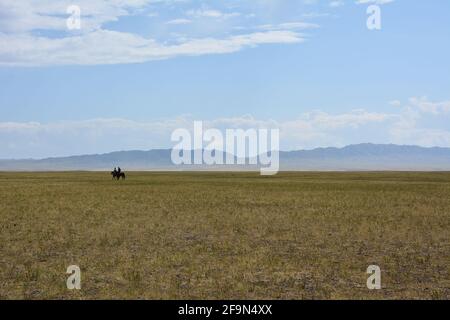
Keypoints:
(225, 235)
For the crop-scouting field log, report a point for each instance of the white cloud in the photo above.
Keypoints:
(408, 125)
(427, 137)
(379, 2)
(413, 124)
(395, 103)
(179, 21)
(299, 25)
(337, 3)
(112, 47)
(33, 139)
(22, 42)
(211, 13)
(28, 15)
(424, 105)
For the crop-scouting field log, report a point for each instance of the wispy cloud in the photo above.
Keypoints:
(29, 15)
(38, 140)
(112, 47)
(336, 3)
(379, 2)
(408, 123)
(211, 13)
(22, 42)
(179, 21)
(424, 105)
(413, 123)
(299, 25)
(308, 130)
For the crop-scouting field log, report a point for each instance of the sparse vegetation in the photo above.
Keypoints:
(225, 235)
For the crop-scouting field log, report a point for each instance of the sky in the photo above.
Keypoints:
(137, 70)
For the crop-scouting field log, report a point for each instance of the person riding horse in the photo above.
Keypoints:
(117, 174)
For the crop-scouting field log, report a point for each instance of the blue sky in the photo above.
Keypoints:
(138, 69)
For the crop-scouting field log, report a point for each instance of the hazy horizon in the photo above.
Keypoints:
(281, 150)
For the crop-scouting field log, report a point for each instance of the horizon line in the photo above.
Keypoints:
(167, 149)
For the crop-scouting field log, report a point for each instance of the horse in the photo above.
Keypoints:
(118, 175)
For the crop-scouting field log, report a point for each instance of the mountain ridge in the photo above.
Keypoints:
(364, 156)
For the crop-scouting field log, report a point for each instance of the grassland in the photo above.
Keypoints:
(225, 235)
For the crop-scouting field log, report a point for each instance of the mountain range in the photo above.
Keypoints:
(360, 157)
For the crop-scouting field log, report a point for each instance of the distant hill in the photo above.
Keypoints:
(351, 158)
(368, 156)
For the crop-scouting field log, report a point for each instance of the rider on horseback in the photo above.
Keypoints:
(118, 173)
